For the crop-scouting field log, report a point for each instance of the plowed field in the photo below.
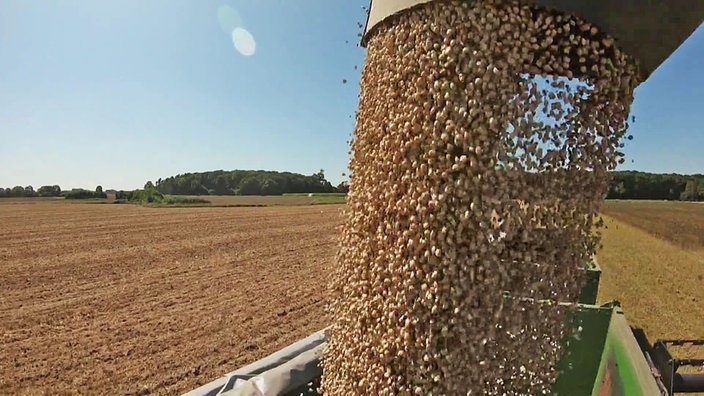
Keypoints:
(115, 299)
(123, 299)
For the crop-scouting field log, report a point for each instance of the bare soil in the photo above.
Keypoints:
(123, 299)
(658, 282)
(246, 200)
(681, 223)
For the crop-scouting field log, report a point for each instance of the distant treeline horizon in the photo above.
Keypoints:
(656, 186)
(624, 185)
(246, 182)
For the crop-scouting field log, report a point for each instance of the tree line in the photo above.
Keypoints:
(245, 182)
(642, 185)
(19, 191)
(79, 193)
(51, 191)
(624, 185)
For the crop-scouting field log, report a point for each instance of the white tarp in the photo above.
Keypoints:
(276, 375)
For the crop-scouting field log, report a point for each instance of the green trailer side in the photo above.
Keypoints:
(590, 290)
(603, 358)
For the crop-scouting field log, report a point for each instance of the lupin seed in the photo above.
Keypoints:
(473, 175)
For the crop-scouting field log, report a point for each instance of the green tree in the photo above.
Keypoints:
(49, 191)
(343, 187)
(250, 186)
(641, 185)
(270, 187)
(230, 182)
(17, 191)
(221, 187)
(149, 185)
(691, 191)
(320, 176)
(196, 188)
(99, 190)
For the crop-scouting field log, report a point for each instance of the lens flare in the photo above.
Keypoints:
(228, 18)
(244, 42)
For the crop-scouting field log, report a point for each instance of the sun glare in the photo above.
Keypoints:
(244, 42)
(228, 18)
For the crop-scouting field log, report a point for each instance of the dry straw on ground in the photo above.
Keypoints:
(474, 173)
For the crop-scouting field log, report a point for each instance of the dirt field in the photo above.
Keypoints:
(114, 299)
(256, 200)
(653, 262)
(681, 223)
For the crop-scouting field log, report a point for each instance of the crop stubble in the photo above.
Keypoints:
(123, 299)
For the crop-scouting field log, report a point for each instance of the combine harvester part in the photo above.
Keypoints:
(607, 357)
(666, 365)
(649, 31)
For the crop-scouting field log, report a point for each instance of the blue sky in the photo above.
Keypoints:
(120, 92)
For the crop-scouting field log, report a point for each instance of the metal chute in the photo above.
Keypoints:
(650, 31)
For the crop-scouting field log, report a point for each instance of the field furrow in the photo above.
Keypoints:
(106, 299)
